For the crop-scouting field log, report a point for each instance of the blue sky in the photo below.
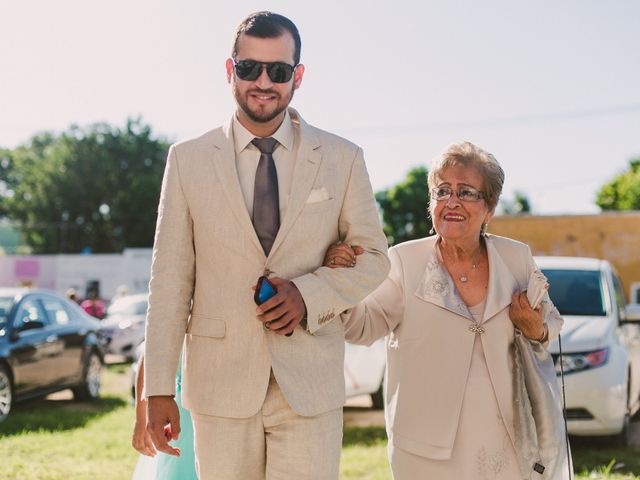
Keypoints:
(552, 88)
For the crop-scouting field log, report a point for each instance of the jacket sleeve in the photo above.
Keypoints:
(327, 292)
(171, 286)
(379, 313)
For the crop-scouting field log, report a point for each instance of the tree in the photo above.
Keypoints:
(5, 173)
(93, 188)
(405, 206)
(623, 192)
(518, 206)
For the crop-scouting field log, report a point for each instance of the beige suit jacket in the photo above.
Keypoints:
(429, 346)
(207, 256)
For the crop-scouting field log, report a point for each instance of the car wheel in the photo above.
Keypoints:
(377, 399)
(623, 439)
(89, 388)
(6, 393)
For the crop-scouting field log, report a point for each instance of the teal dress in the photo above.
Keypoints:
(184, 466)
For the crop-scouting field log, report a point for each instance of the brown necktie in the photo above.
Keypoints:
(266, 205)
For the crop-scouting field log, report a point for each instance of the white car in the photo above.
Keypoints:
(600, 345)
(364, 371)
(124, 324)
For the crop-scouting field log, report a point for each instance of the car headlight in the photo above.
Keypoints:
(575, 362)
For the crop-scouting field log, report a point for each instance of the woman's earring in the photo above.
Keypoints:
(432, 231)
(483, 229)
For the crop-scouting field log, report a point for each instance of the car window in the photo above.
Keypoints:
(73, 310)
(576, 292)
(5, 307)
(55, 311)
(29, 311)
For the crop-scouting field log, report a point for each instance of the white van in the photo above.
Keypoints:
(600, 345)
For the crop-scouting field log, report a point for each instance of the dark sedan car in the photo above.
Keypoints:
(47, 344)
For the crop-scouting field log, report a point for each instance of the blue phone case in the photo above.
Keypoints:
(266, 292)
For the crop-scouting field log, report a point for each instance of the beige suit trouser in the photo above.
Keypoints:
(274, 444)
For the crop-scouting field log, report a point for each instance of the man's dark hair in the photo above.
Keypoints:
(268, 25)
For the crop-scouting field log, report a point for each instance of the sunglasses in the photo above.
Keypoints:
(250, 70)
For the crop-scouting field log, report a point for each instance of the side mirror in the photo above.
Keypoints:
(632, 313)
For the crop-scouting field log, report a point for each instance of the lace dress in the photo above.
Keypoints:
(482, 449)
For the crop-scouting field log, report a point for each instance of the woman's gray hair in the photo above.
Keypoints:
(466, 154)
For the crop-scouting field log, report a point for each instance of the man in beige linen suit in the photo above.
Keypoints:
(264, 384)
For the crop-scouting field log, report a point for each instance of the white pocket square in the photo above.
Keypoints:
(318, 195)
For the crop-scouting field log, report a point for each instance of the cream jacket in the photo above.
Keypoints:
(207, 256)
(429, 342)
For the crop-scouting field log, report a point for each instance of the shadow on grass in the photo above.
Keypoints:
(598, 455)
(363, 436)
(118, 368)
(56, 415)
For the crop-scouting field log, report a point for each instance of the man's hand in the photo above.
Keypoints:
(163, 412)
(285, 310)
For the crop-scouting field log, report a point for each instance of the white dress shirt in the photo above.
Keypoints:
(248, 156)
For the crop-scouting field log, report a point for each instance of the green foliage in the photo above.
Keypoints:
(405, 206)
(623, 192)
(95, 187)
(518, 206)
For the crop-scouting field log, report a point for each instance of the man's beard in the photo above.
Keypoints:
(261, 116)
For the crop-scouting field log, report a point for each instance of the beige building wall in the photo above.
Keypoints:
(612, 236)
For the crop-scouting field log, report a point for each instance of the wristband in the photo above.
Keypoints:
(545, 333)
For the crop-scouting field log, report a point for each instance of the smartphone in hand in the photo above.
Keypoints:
(264, 291)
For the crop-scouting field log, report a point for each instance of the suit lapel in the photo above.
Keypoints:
(502, 283)
(224, 162)
(308, 160)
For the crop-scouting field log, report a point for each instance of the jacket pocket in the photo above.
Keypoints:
(203, 326)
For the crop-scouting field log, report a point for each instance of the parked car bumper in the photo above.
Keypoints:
(597, 398)
(124, 342)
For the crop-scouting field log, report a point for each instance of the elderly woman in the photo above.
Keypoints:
(449, 307)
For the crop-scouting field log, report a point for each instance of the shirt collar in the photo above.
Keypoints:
(284, 134)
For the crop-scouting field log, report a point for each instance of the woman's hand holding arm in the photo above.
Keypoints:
(382, 310)
(341, 255)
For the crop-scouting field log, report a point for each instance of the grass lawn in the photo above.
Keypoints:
(62, 439)
(65, 440)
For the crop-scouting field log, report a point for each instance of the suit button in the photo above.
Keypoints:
(267, 272)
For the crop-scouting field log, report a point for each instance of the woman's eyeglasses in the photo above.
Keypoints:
(250, 70)
(464, 194)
